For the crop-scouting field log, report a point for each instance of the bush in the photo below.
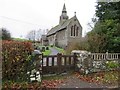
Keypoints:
(43, 49)
(47, 48)
(16, 60)
(5, 34)
(112, 64)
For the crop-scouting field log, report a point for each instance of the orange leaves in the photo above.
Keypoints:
(14, 55)
(51, 83)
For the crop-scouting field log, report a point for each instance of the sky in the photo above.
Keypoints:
(22, 16)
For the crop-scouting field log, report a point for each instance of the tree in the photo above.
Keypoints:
(34, 35)
(5, 34)
(106, 34)
(31, 35)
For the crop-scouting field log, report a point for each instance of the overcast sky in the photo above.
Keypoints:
(22, 16)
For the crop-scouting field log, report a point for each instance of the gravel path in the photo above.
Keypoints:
(74, 82)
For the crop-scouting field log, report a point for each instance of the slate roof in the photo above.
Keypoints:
(59, 27)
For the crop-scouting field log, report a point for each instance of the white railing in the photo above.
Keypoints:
(105, 56)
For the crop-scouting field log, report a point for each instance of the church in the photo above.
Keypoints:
(69, 30)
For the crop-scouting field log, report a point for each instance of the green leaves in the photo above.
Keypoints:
(5, 34)
(106, 32)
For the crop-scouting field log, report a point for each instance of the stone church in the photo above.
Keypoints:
(69, 30)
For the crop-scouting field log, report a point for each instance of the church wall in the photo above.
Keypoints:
(61, 39)
(51, 39)
(74, 39)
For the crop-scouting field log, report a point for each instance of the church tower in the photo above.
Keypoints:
(63, 16)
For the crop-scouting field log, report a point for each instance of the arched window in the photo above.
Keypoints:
(72, 31)
(77, 31)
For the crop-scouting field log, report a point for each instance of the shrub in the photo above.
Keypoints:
(112, 64)
(43, 49)
(47, 48)
(16, 60)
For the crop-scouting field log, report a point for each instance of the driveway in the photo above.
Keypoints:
(74, 82)
(54, 51)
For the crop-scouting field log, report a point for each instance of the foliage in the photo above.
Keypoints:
(21, 86)
(108, 78)
(46, 52)
(96, 43)
(77, 46)
(108, 10)
(16, 60)
(105, 34)
(5, 34)
(112, 64)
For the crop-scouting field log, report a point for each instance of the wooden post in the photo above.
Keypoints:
(52, 61)
(75, 61)
(47, 61)
(59, 62)
(65, 62)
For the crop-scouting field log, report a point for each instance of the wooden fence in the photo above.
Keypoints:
(58, 63)
(54, 64)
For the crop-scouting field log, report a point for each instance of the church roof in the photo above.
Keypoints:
(59, 27)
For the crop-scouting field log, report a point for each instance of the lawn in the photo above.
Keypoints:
(47, 52)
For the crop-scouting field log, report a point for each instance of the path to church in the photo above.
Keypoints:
(54, 51)
(73, 82)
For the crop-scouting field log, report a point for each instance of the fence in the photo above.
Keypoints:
(105, 56)
(58, 63)
(53, 64)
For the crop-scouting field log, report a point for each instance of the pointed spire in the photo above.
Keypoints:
(64, 7)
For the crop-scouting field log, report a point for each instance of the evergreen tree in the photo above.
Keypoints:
(5, 34)
(107, 27)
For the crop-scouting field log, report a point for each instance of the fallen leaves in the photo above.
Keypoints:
(110, 77)
(51, 83)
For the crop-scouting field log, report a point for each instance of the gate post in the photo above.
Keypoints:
(59, 62)
(75, 61)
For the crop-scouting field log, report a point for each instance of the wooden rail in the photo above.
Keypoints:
(58, 63)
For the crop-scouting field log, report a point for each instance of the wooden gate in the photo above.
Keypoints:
(59, 63)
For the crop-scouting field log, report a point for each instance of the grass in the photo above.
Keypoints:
(20, 39)
(47, 52)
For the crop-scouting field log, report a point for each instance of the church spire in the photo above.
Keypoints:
(64, 8)
(63, 16)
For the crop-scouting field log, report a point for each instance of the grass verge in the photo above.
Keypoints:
(47, 52)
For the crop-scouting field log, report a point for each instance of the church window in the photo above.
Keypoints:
(72, 31)
(77, 31)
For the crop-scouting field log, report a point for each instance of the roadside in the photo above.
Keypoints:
(73, 82)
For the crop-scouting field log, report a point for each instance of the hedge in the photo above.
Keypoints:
(16, 58)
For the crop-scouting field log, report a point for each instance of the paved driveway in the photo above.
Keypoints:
(54, 51)
(74, 82)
